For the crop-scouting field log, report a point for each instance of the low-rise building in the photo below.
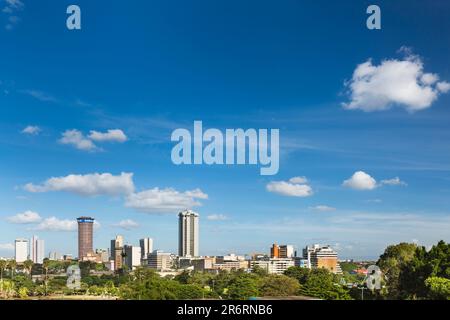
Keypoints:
(274, 265)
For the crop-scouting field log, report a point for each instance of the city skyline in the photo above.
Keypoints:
(86, 119)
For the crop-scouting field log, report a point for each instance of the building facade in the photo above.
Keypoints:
(322, 257)
(132, 257)
(85, 236)
(160, 261)
(274, 265)
(21, 250)
(37, 250)
(188, 234)
(146, 245)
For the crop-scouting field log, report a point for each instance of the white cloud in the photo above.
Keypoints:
(127, 224)
(394, 182)
(87, 185)
(394, 83)
(10, 8)
(298, 180)
(25, 218)
(295, 187)
(323, 208)
(32, 130)
(164, 200)
(217, 217)
(15, 4)
(360, 181)
(40, 95)
(77, 139)
(6, 246)
(55, 224)
(112, 135)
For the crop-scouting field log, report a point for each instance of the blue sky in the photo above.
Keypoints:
(147, 68)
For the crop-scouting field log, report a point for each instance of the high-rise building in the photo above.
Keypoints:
(118, 241)
(132, 256)
(282, 251)
(21, 250)
(188, 234)
(275, 251)
(37, 249)
(146, 245)
(85, 236)
(322, 257)
(286, 251)
(117, 251)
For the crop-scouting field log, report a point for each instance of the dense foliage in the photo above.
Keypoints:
(410, 272)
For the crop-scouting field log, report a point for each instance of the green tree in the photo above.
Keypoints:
(279, 286)
(12, 266)
(243, 287)
(425, 264)
(392, 261)
(299, 273)
(439, 288)
(3, 266)
(322, 284)
(28, 265)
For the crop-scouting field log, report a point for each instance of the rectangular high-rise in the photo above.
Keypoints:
(21, 250)
(146, 245)
(37, 249)
(188, 234)
(85, 236)
(132, 256)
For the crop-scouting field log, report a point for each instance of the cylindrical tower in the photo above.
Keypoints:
(85, 236)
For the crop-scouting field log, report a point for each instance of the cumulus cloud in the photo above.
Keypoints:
(323, 208)
(166, 200)
(78, 140)
(298, 180)
(55, 224)
(87, 185)
(394, 82)
(394, 182)
(6, 246)
(295, 187)
(26, 217)
(127, 224)
(360, 181)
(112, 135)
(363, 181)
(31, 130)
(217, 217)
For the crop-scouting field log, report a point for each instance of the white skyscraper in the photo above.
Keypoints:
(188, 234)
(21, 250)
(132, 256)
(146, 245)
(37, 249)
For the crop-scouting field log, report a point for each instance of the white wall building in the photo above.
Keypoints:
(21, 250)
(273, 266)
(132, 256)
(188, 234)
(37, 250)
